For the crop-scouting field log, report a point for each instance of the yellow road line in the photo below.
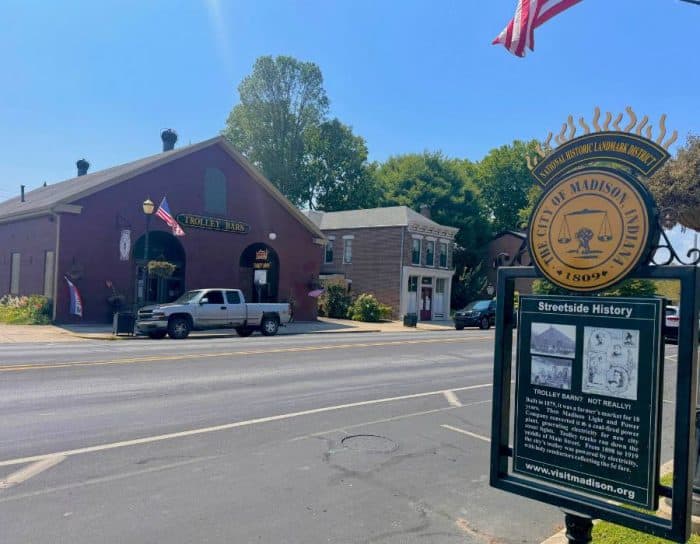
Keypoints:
(171, 358)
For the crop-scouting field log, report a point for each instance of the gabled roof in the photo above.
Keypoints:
(393, 216)
(59, 197)
(517, 233)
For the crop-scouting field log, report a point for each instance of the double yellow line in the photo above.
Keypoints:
(209, 355)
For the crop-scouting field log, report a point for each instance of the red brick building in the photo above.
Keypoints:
(240, 231)
(399, 255)
(501, 249)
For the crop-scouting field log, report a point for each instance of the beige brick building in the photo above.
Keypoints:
(399, 255)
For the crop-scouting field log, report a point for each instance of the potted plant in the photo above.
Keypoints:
(164, 269)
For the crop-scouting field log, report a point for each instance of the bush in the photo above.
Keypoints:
(366, 308)
(32, 310)
(335, 301)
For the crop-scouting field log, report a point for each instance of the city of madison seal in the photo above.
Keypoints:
(590, 229)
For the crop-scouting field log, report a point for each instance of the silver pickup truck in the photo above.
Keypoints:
(211, 309)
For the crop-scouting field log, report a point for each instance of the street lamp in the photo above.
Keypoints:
(148, 207)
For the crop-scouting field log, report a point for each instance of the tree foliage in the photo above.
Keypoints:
(470, 285)
(504, 182)
(337, 171)
(280, 102)
(626, 288)
(676, 186)
(446, 186)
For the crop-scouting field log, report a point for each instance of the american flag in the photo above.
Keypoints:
(76, 301)
(164, 213)
(529, 14)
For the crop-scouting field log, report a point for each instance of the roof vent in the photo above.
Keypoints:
(21, 193)
(169, 137)
(83, 166)
(425, 210)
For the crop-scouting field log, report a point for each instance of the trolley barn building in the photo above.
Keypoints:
(240, 232)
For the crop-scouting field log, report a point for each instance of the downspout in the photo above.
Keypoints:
(401, 282)
(57, 218)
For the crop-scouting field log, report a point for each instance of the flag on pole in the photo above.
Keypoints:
(164, 213)
(76, 301)
(529, 14)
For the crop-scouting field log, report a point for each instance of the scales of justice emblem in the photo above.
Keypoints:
(595, 221)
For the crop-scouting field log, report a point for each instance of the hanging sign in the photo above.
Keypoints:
(213, 223)
(587, 394)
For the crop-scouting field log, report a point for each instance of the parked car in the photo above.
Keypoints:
(211, 309)
(479, 313)
(671, 321)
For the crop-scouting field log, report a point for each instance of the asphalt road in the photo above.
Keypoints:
(316, 438)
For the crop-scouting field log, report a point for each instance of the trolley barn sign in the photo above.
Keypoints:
(212, 223)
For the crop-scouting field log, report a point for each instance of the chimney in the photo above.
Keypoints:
(169, 137)
(83, 166)
(21, 193)
(425, 210)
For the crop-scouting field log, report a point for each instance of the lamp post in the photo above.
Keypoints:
(148, 207)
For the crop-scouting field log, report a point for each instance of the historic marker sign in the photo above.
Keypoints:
(587, 394)
(591, 228)
(586, 428)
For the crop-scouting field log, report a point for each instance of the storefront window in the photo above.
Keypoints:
(430, 254)
(347, 250)
(329, 252)
(412, 284)
(415, 251)
(443, 255)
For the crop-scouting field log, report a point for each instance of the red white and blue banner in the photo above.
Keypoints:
(164, 213)
(76, 301)
(519, 34)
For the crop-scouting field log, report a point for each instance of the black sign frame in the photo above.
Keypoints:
(684, 451)
(576, 423)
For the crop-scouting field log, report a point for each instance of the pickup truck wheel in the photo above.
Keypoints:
(178, 328)
(484, 323)
(459, 327)
(244, 331)
(157, 335)
(269, 326)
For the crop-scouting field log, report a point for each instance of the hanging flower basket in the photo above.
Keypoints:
(164, 269)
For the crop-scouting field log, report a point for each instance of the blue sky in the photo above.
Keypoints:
(101, 79)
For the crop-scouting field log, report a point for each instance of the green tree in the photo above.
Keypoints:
(504, 182)
(626, 288)
(337, 171)
(280, 102)
(446, 186)
(676, 186)
(471, 285)
(443, 184)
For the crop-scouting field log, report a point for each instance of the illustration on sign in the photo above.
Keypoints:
(610, 362)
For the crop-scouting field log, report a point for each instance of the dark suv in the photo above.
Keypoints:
(481, 313)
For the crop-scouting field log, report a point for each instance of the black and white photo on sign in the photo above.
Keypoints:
(550, 372)
(610, 362)
(553, 339)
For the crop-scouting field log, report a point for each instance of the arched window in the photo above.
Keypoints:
(214, 191)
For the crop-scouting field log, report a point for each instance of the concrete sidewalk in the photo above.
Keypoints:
(75, 333)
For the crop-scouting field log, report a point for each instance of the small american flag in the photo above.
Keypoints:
(529, 14)
(76, 301)
(164, 213)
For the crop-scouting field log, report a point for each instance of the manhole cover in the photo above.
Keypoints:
(369, 443)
